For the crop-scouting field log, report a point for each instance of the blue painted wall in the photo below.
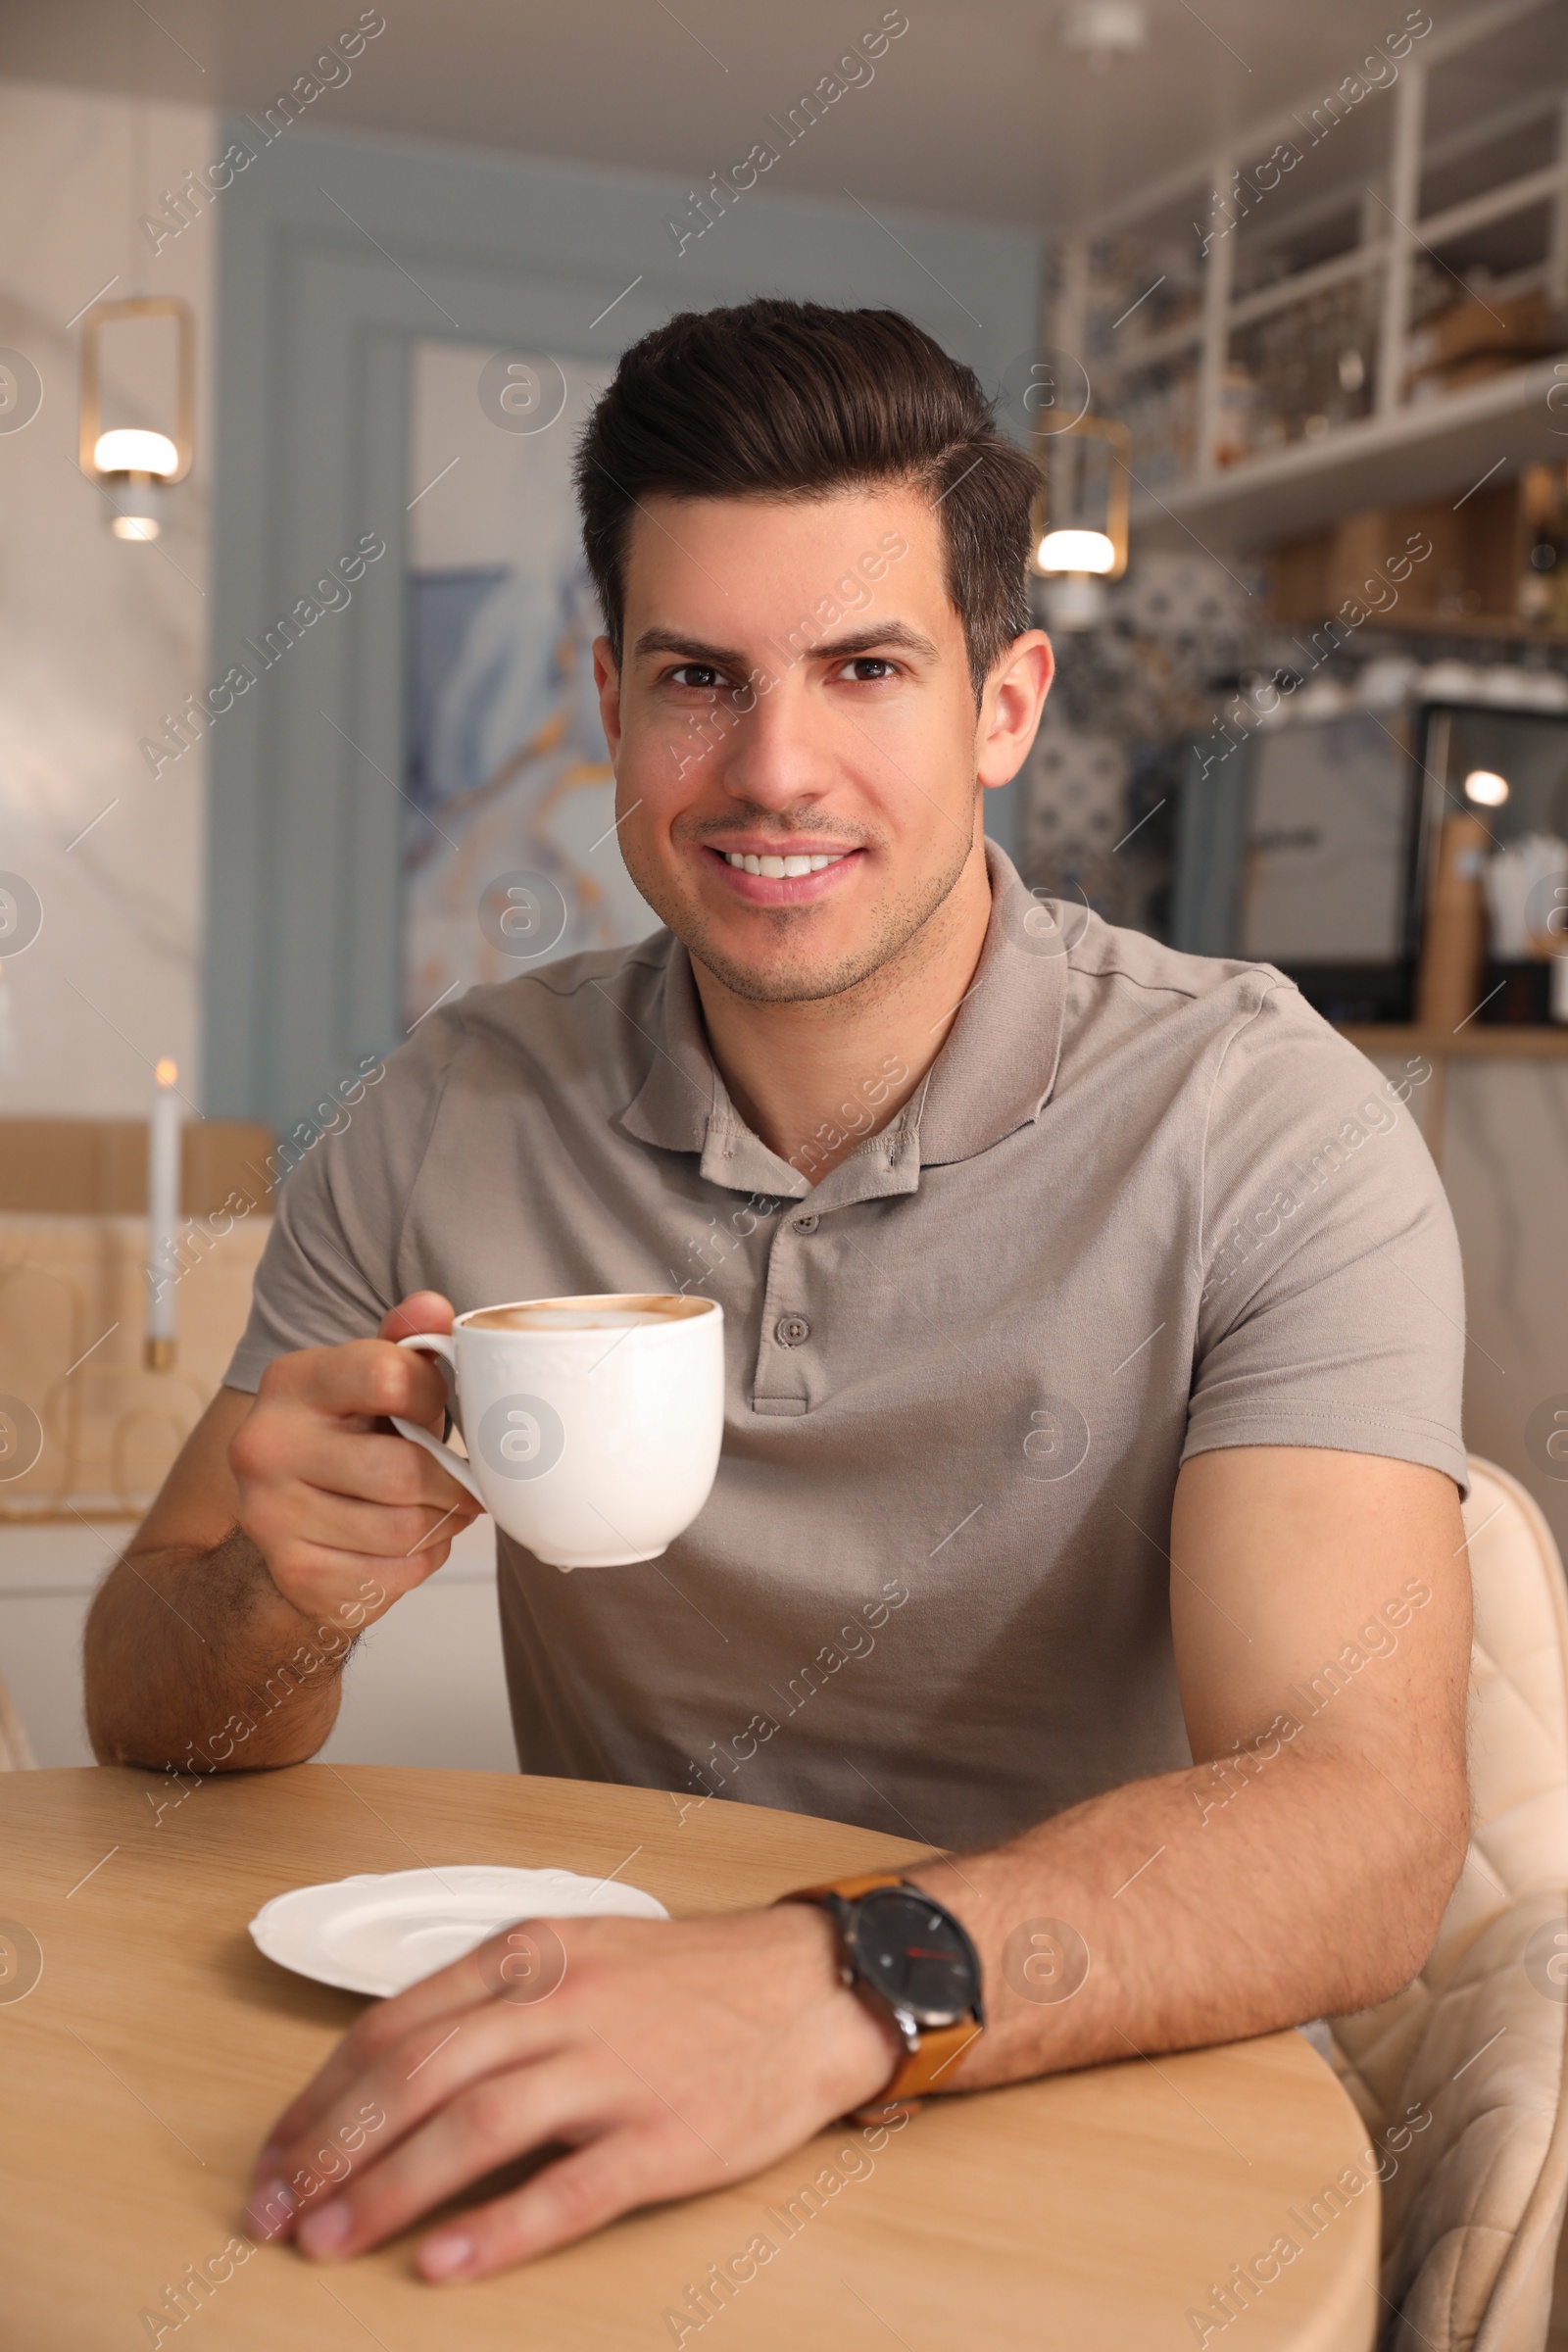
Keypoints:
(335, 255)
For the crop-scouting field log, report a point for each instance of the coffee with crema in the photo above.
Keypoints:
(622, 1313)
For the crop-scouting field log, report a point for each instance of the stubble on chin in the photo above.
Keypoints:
(788, 970)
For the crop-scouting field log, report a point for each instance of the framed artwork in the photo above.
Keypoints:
(510, 850)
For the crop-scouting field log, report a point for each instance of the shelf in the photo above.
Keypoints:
(1418, 451)
(1485, 628)
(1150, 351)
(1474, 1043)
(1422, 252)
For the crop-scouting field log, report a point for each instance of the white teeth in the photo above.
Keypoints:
(776, 868)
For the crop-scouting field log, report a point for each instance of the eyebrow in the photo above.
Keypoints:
(869, 640)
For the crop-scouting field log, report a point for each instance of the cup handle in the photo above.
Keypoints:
(439, 1344)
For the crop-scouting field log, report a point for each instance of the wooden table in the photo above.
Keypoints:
(1087, 2213)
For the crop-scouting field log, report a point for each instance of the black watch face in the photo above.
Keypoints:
(914, 1956)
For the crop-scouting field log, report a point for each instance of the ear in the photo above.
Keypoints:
(607, 679)
(1011, 706)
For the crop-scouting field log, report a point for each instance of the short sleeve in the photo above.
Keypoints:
(1332, 1300)
(328, 1272)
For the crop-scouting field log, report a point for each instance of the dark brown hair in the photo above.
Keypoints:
(791, 398)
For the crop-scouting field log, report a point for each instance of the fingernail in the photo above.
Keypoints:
(323, 2233)
(270, 2208)
(439, 2256)
(267, 2163)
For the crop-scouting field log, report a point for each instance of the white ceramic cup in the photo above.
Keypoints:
(593, 1425)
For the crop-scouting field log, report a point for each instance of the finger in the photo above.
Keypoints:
(315, 1484)
(437, 2063)
(339, 1523)
(421, 1310)
(319, 1582)
(367, 1465)
(614, 2174)
(493, 2121)
(460, 1987)
(369, 1377)
(286, 1439)
(316, 1578)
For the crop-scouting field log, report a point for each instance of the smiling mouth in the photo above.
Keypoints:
(778, 869)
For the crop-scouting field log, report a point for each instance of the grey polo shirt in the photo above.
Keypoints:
(1143, 1204)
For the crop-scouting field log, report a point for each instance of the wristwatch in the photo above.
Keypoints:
(912, 1963)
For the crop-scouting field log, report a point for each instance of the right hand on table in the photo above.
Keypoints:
(332, 1500)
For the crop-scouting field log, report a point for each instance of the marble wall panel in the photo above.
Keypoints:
(99, 638)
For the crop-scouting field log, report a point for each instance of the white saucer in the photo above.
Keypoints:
(382, 1932)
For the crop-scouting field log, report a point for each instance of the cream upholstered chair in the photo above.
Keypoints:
(1458, 2076)
(16, 1751)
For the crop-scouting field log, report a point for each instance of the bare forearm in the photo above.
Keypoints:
(1168, 1914)
(195, 1659)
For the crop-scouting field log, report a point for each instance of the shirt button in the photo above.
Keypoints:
(807, 1224)
(790, 1331)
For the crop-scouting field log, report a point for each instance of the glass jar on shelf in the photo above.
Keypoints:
(1145, 285)
(1309, 369)
(1159, 403)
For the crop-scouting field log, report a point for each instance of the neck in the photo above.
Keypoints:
(815, 1079)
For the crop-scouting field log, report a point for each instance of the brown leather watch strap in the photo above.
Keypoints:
(921, 2068)
(851, 1888)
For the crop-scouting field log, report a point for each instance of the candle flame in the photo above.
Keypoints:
(166, 1072)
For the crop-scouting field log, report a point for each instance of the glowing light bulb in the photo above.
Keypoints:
(128, 450)
(1076, 550)
(1487, 790)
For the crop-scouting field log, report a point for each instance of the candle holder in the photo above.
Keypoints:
(164, 1195)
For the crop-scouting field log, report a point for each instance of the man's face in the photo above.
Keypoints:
(795, 686)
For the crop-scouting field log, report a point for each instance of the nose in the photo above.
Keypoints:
(774, 753)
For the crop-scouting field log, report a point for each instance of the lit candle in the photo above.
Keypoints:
(162, 1217)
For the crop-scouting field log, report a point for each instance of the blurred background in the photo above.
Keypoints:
(299, 312)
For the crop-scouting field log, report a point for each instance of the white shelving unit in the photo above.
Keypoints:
(1267, 326)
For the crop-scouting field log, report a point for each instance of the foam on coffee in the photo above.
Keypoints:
(622, 1311)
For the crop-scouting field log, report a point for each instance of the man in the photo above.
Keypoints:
(1088, 1503)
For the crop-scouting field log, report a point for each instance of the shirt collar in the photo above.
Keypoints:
(997, 1062)
(992, 1074)
(683, 1089)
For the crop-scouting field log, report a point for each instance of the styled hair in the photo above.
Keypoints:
(775, 399)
